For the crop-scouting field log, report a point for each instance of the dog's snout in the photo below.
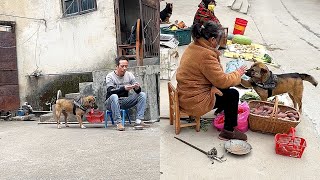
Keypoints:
(248, 73)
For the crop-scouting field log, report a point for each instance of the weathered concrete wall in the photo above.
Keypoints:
(57, 44)
(44, 89)
(147, 76)
(86, 88)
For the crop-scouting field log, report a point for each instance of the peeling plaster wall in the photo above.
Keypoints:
(58, 45)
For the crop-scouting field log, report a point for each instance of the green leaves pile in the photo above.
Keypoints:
(248, 96)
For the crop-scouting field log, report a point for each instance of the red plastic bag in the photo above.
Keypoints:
(243, 114)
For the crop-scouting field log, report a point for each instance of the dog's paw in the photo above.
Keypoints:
(83, 127)
(59, 127)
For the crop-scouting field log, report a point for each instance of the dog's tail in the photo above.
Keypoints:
(59, 94)
(309, 78)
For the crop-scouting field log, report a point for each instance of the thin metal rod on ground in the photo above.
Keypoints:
(204, 152)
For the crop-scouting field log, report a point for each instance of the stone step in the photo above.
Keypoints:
(244, 7)
(50, 118)
(237, 5)
(72, 95)
(47, 118)
(23, 118)
(230, 3)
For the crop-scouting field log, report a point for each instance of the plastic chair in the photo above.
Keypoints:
(123, 112)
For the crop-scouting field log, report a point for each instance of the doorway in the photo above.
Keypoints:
(126, 15)
(9, 85)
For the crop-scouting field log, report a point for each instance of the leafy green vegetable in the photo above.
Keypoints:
(266, 58)
(250, 96)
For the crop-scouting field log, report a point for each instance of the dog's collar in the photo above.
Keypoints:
(269, 85)
(78, 103)
(271, 82)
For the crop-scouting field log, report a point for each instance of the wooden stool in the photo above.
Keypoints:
(176, 113)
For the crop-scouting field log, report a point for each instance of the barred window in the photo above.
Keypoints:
(74, 7)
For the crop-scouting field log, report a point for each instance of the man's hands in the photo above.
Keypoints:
(128, 87)
(134, 86)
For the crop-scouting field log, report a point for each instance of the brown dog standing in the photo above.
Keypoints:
(77, 107)
(267, 84)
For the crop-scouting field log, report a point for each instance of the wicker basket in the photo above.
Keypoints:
(271, 124)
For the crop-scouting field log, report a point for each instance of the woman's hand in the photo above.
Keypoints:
(242, 70)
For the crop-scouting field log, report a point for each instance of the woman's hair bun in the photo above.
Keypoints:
(208, 30)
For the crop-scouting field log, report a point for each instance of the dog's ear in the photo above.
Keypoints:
(264, 71)
(166, 3)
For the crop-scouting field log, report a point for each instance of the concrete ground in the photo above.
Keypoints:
(179, 161)
(32, 151)
(283, 26)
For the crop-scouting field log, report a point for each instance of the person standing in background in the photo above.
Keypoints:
(205, 13)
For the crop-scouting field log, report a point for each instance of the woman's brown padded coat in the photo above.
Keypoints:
(199, 75)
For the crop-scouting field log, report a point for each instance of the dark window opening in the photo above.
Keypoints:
(74, 7)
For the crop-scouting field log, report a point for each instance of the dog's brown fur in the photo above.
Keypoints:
(65, 106)
(291, 83)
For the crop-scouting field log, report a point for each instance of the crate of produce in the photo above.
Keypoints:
(289, 144)
(267, 117)
(182, 35)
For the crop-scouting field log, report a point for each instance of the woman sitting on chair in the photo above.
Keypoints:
(202, 83)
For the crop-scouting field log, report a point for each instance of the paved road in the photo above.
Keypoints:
(32, 151)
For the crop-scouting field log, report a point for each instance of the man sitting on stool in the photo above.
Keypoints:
(119, 83)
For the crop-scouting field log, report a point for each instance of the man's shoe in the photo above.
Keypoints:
(142, 124)
(227, 135)
(120, 127)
